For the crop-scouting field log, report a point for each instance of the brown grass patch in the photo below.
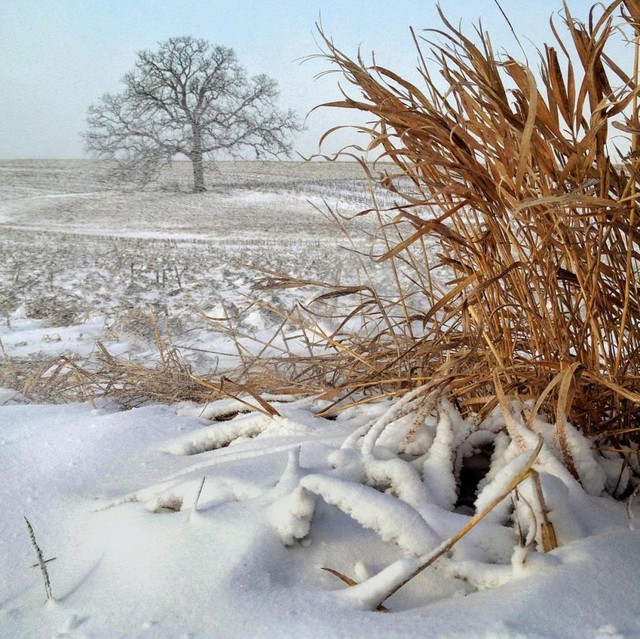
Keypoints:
(530, 189)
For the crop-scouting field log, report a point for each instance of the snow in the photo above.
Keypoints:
(216, 521)
(119, 515)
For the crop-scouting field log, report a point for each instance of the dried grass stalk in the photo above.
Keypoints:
(529, 187)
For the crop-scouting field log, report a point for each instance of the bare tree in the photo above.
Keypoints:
(188, 98)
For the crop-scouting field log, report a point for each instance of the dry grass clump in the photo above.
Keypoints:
(63, 379)
(128, 383)
(132, 383)
(530, 190)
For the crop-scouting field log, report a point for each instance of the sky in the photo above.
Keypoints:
(60, 57)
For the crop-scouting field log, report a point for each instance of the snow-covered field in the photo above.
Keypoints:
(210, 521)
(81, 262)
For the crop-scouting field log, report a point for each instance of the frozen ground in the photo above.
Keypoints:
(209, 521)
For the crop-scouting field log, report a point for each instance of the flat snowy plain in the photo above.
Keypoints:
(202, 521)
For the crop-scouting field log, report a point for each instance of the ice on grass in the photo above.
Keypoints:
(221, 408)
(402, 480)
(291, 513)
(347, 464)
(231, 554)
(499, 459)
(616, 472)
(370, 593)
(408, 435)
(417, 399)
(499, 487)
(480, 575)
(563, 507)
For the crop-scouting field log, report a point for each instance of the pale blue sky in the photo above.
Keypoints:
(59, 56)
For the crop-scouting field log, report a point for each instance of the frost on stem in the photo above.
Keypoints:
(41, 562)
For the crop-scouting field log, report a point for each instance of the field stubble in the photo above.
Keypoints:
(165, 266)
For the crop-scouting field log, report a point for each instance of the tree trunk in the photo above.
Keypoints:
(197, 161)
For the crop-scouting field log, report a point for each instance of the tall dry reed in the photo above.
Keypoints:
(527, 181)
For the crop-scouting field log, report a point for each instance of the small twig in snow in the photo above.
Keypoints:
(195, 503)
(46, 561)
(41, 562)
